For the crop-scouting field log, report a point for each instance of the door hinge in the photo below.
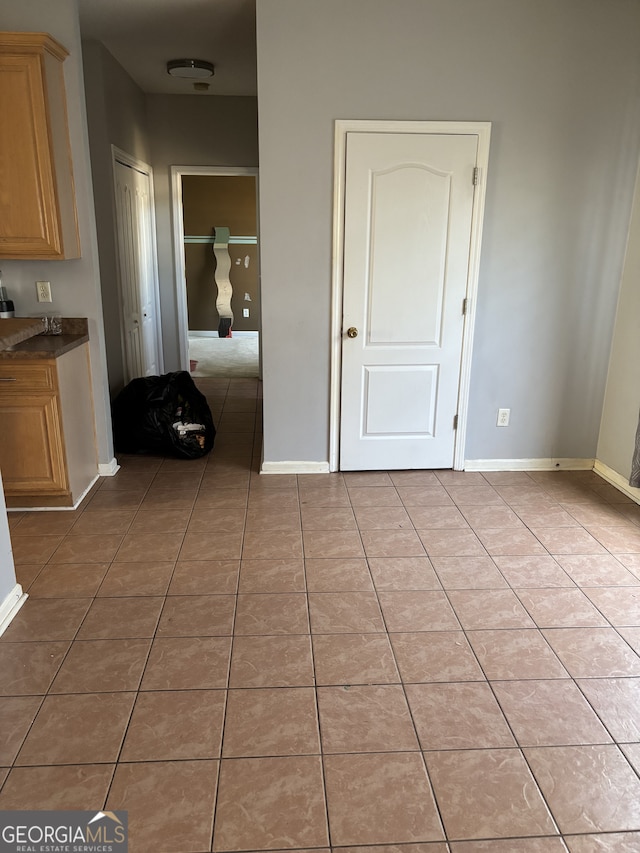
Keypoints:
(465, 306)
(455, 422)
(476, 176)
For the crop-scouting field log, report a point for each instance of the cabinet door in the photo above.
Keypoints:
(29, 217)
(32, 457)
(37, 199)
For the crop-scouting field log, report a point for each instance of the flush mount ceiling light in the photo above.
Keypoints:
(191, 69)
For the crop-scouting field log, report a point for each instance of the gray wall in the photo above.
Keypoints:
(75, 284)
(622, 397)
(559, 81)
(116, 113)
(192, 130)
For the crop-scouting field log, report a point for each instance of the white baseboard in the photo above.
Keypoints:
(57, 508)
(86, 491)
(294, 468)
(10, 606)
(617, 480)
(469, 465)
(108, 469)
(528, 464)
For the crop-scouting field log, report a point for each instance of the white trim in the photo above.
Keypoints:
(617, 480)
(108, 469)
(477, 220)
(294, 468)
(567, 464)
(343, 126)
(117, 154)
(57, 508)
(86, 492)
(178, 241)
(10, 606)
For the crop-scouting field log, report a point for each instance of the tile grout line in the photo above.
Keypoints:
(138, 691)
(516, 739)
(507, 723)
(229, 663)
(548, 746)
(313, 657)
(323, 769)
(403, 688)
(228, 679)
(48, 692)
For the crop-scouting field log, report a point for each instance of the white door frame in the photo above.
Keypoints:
(343, 126)
(178, 243)
(118, 155)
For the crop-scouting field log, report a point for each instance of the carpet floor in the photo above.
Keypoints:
(233, 358)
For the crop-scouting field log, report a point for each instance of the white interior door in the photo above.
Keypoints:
(137, 267)
(408, 216)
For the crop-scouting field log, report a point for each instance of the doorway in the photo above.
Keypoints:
(409, 199)
(216, 239)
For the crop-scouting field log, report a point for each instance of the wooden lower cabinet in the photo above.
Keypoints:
(32, 457)
(47, 440)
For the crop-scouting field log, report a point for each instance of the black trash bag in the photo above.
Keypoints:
(163, 414)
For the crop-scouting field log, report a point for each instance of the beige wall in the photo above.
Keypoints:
(230, 202)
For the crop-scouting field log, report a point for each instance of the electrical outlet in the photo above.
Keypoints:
(503, 417)
(43, 289)
(245, 312)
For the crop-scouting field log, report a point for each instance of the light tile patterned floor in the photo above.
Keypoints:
(417, 661)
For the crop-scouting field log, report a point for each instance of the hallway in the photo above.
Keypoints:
(250, 663)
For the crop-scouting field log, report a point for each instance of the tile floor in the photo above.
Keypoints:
(411, 661)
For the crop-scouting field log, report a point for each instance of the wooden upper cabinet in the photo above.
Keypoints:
(38, 217)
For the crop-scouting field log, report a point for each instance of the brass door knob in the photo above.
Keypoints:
(352, 332)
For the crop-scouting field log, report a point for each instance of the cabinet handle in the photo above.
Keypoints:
(2, 379)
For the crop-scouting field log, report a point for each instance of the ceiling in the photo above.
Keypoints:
(144, 34)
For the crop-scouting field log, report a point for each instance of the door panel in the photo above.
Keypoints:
(137, 271)
(146, 273)
(417, 233)
(386, 390)
(407, 232)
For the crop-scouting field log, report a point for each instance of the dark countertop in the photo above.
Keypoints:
(75, 332)
(14, 330)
